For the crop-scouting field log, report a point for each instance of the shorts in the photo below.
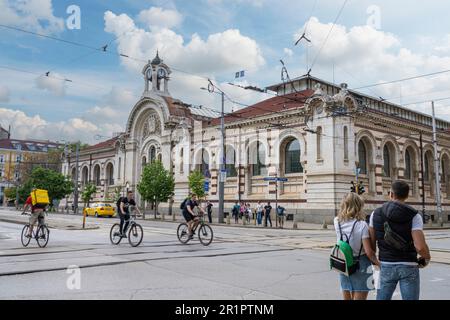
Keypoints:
(37, 216)
(361, 280)
(188, 216)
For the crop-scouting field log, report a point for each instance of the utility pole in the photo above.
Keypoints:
(222, 164)
(422, 173)
(75, 200)
(436, 170)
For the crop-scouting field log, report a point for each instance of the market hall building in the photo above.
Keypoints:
(314, 133)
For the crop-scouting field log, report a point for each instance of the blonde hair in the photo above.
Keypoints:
(351, 208)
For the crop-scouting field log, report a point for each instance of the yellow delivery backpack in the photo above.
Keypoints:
(39, 198)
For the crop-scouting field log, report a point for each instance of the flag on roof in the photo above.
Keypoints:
(240, 74)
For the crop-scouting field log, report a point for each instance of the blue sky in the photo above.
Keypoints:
(209, 38)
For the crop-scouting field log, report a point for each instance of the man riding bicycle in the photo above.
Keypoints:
(37, 214)
(124, 212)
(192, 219)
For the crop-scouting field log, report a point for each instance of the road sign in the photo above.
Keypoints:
(275, 179)
(223, 175)
(206, 186)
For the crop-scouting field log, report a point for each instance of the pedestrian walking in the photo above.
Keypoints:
(235, 211)
(397, 230)
(350, 225)
(259, 212)
(209, 206)
(268, 209)
(280, 216)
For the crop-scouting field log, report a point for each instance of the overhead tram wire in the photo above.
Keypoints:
(328, 35)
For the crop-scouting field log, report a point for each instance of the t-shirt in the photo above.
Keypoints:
(417, 224)
(360, 232)
(259, 208)
(280, 211)
(192, 204)
(268, 208)
(209, 207)
(30, 202)
(127, 203)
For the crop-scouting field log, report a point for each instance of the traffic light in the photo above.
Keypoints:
(353, 187)
(361, 189)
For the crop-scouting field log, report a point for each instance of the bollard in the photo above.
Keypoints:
(228, 219)
(295, 226)
(163, 217)
(173, 217)
(324, 226)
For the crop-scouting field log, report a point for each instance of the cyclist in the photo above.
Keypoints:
(124, 212)
(37, 214)
(188, 213)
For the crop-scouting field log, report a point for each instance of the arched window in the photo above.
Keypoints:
(181, 160)
(152, 154)
(74, 174)
(97, 175)
(387, 161)
(362, 155)
(110, 174)
(85, 176)
(160, 157)
(408, 165)
(292, 158)
(144, 162)
(345, 143)
(203, 164)
(230, 161)
(258, 160)
(319, 142)
(444, 171)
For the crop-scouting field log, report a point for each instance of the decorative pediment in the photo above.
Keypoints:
(152, 125)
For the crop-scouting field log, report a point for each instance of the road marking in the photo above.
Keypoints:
(437, 280)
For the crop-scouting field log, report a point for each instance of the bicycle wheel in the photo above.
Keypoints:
(42, 235)
(25, 240)
(135, 235)
(205, 235)
(114, 234)
(183, 233)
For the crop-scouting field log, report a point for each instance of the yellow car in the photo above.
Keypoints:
(100, 210)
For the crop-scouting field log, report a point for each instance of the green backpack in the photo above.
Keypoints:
(346, 264)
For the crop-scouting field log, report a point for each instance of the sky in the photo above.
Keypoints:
(371, 42)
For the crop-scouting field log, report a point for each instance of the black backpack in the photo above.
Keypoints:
(183, 204)
(118, 202)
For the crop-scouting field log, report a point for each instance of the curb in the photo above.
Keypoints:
(69, 227)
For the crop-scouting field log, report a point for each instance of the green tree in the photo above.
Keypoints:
(157, 184)
(10, 193)
(87, 193)
(197, 183)
(57, 185)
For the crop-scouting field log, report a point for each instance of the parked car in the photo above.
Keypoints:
(100, 210)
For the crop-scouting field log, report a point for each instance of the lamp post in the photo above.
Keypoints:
(222, 175)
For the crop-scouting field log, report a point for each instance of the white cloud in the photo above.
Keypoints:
(255, 3)
(52, 83)
(220, 52)
(4, 94)
(158, 17)
(35, 15)
(288, 52)
(35, 127)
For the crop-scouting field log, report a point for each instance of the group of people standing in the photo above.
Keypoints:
(395, 230)
(244, 211)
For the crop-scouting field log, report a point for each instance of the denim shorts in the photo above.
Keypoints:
(361, 280)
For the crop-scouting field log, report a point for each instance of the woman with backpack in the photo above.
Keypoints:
(352, 229)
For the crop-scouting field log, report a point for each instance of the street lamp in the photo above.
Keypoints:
(211, 89)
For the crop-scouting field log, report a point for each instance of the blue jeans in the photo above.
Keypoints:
(407, 276)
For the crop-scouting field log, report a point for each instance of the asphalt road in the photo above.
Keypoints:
(240, 264)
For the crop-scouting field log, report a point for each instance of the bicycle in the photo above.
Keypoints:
(205, 233)
(41, 234)
(135, 233)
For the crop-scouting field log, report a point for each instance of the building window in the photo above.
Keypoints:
(85, 176)
(258, 166)
(362, 154)
(19, 158)
(97, 175)
(408, 165)
(387, 162)
(2, 158)
(444, 171)
(292, 158)
(181, 160)
(110, 174)
(230, 161)
(152, 154)
(346, 143)
(120, 166)
(319, 143)
(203, 164)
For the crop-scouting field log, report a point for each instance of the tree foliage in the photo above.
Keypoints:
(197, 183)
(57, 185)
(87, 193)
(156, 185)
(10, 193)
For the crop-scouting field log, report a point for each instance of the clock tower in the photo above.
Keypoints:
(156, 77)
